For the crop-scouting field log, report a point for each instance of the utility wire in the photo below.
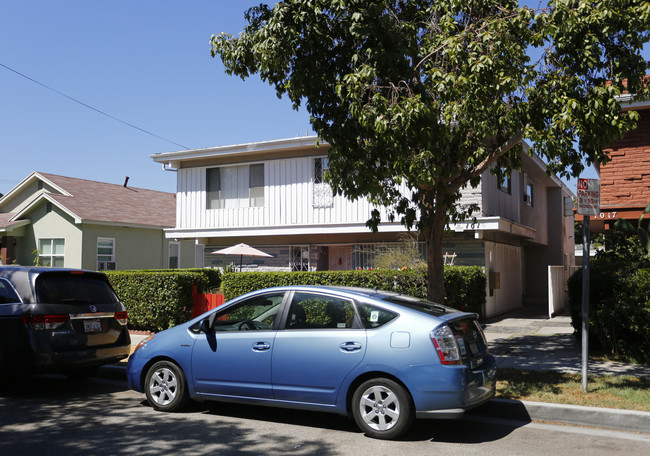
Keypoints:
(90, 107)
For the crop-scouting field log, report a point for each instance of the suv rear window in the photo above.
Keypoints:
(66, 288)
(7, 293)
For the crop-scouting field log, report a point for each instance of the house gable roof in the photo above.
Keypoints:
(98, 202)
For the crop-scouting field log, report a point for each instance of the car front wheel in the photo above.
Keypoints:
(166, 387)
(382, 408)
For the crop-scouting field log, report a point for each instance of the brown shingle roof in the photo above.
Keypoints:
(4, 220)
(111, 203)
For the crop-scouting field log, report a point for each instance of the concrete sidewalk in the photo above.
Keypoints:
(527, 342)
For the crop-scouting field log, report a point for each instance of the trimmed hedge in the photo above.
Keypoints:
(160, 299)
(212, 275)
(464, 285)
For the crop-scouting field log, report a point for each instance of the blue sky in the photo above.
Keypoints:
(144, 62)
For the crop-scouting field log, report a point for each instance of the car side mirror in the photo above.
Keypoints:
(205, 326)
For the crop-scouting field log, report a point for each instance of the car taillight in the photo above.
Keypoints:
(122, 317)
(446, 346)
(40, 322)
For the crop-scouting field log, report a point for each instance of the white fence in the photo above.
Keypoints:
(556, 290)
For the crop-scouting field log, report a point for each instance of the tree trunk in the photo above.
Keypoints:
(434, 232)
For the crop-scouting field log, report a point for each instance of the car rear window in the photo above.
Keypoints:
(70, 288)
(374, 317)
(421, 305)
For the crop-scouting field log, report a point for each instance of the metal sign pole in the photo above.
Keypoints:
(588, 204)
(585, 301)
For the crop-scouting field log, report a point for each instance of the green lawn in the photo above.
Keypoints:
(622, 392)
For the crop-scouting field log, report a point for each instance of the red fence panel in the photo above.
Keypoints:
(205, 301)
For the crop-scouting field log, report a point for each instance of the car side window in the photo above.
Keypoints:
(374, 317)
(7, 293)
(256, 313)
(316, 311)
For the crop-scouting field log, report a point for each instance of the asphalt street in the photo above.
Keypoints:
(49, 415)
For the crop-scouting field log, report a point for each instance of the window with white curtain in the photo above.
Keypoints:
(235, 186)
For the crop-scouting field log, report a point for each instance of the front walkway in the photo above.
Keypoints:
(528, 340)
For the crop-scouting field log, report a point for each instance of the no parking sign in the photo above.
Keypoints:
(588, 196)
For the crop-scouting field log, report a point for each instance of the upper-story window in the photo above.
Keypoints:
(321, 165)
(505, 184)
(322, 196)
(235, 186)
(528, 194)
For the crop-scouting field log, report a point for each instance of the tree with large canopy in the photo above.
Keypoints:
(432, 94)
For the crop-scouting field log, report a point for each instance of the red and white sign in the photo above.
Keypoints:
(588, 196)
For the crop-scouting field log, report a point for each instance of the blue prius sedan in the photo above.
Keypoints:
(381, 357)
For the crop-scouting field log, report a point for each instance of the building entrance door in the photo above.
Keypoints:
(340, 258)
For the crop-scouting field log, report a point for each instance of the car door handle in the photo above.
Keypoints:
(261, 346)
(350, 346)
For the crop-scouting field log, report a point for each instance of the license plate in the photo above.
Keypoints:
(473, 349)
(92, 326)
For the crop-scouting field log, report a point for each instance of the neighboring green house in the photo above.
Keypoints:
(75, 223)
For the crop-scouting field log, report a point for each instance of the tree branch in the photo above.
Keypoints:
(475, 172)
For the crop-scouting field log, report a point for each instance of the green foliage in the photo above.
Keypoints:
(642, 233)
(465, 285)
(159, 299)
(37, 258)
(619, 292)
(465, 288)
(431, 94)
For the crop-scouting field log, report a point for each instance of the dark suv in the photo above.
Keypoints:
(59, 320)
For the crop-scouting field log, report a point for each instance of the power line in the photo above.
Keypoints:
(90, 107)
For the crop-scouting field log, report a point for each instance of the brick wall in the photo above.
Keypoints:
(625, 180)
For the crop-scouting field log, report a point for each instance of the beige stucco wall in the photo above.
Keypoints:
(135, 248)
(53, 225)
(21, 199)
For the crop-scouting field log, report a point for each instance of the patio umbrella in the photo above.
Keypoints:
(242, 250)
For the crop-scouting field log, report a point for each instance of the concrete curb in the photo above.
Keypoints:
(626, 420)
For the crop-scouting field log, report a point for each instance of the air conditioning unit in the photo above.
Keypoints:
(106, 265)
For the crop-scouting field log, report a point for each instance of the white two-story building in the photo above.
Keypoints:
(272, 195)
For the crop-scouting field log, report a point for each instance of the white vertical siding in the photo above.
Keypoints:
(288, 200)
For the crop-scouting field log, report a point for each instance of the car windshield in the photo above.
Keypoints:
(421, 305)
(72, 288)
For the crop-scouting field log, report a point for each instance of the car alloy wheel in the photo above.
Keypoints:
(382, 408)
(166, 387)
